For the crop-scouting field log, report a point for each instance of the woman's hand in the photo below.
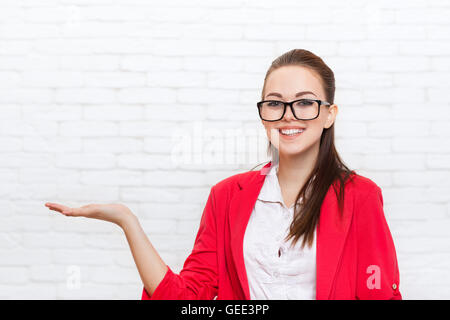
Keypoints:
(115, 213)
(151, 267)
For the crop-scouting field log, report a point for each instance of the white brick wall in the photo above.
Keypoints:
(80, 81)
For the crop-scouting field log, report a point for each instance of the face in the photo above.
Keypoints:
(283, 84)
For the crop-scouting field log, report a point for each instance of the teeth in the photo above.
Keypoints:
(291, 131)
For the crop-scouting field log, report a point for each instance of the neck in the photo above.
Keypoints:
(293, 170)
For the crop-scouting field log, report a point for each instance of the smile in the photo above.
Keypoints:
(291, 133)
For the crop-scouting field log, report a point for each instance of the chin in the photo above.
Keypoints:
(291, 150)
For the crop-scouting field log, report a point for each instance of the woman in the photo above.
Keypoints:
(302, 227)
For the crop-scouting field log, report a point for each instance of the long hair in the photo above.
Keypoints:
(329, 167)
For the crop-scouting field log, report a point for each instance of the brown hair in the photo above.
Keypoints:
(329, 167)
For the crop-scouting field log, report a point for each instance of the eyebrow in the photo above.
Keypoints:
(298, 94)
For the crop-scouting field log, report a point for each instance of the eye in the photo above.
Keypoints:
(304, 102)
(274, 103)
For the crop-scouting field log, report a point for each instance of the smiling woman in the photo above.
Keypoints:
(340, 246)
(303, 135)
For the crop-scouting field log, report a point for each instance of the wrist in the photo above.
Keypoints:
(127, 218)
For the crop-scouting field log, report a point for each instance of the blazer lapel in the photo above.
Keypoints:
(331, 232)
(241, 207)
(331, 236)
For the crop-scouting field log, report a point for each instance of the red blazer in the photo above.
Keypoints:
(355, 256)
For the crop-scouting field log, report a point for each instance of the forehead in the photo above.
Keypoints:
(289, 80)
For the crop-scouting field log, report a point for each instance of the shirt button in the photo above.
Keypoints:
(276, 274)
(394, 286)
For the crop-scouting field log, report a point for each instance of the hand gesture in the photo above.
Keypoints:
(115, 213)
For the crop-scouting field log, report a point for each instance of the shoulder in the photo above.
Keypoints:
(367, 202)
(224, 191)
(361, 186)
(360, 192)
(240, 180)
(236, 181)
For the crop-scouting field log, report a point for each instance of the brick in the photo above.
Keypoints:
(85, 161)
(395, 32)
(90, 62)
(424, 144)
(151, 210)
(414, 211)
(19, 257)
(146, 95)
(422, 178)
(176, 79)
(174, 178)
(29, 31)
(11, 144)
(88, 128)
(398, 128)
(112, 177)
(399, 64)
(52, 112)
(30, 291)
(145, 161)
(145, 194)
(85, 96)
(14, 275)
(29, 95)
(395, 161)
(29, 128)
(112, 145)
(107, 79)
(21, 159)
(52, 144)
(365, 145)
(47, 176)
(113, 112)
(322, 32)
(143, 62)
(9, 79)
(438, 161)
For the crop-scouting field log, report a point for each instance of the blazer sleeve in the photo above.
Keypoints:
(198, 278)
(377, 268)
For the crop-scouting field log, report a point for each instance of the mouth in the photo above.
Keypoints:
(291, 132)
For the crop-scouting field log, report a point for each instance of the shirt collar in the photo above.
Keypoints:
(271, 190)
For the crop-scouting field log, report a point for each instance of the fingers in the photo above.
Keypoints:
(63, 209)
(56, 207)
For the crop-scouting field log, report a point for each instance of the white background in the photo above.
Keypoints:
(92, 93)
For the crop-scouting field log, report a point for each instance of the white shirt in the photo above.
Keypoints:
(292, 275)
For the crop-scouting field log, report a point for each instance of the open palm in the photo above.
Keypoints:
(114, 213)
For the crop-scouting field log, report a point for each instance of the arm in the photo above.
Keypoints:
(377, 268)
(151, 267)
(198, 278)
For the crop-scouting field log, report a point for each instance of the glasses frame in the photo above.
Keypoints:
(285, 104)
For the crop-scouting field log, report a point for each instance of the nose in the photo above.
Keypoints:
(288, 114)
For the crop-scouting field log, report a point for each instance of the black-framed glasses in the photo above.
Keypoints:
(302, 109)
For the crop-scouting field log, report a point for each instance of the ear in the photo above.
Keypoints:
(331, 117)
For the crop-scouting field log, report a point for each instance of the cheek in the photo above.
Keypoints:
(314, 131)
